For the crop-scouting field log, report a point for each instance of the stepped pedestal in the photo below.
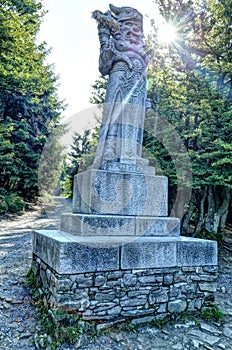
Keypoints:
(118, 255)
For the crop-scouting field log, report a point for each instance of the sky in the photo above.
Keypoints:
(71, 34)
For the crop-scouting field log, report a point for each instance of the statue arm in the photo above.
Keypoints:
(106, 24)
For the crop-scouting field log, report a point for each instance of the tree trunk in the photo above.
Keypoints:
(181, 202)
(218, 206)
(211, 219)
(185, 225)
(200, 216)
(224, 210)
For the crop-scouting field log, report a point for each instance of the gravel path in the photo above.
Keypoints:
(19, 322)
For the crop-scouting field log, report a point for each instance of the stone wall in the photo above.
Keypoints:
(117, 295)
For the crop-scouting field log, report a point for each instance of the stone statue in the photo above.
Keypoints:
(124, 59)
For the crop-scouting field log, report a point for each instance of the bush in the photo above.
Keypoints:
(213, 313)
(12, 202)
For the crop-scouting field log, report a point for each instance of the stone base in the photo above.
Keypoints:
(150, 294)
(105, 192)
(112, 278)
(116, 225)
(69, 254)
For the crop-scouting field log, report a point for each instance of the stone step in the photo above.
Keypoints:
(116, 225)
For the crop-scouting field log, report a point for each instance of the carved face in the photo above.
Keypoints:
(129, 32)
(130, 28)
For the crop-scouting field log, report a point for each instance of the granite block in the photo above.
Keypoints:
(149, 252)
(98, 225)
(196, 252)
(120, 193)
(68, 254)
(157, 226)
(116, 225)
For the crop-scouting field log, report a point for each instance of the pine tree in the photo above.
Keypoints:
(190, 86)
(29, 107)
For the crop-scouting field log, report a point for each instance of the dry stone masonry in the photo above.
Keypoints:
(151, 293)
(118, 255)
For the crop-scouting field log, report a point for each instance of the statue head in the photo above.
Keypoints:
(131, 23)
(123, 14)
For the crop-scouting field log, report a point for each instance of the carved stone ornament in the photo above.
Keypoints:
(124, 59)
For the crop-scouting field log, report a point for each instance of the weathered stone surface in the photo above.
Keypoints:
(208, 287)
(208, 328)
(208, 338)
(67, 255)
(177, 306)
(98, 225)
(157, 226)
(118, 193)
(147, 252)
(113, 294)
(114, 225)
(227, 331)
(168, 279)
(196, 252)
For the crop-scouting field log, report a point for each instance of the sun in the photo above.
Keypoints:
(167, 33)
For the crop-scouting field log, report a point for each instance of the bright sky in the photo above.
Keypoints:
(72, 34)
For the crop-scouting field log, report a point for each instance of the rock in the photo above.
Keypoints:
(100, 281)
(118, 337)
(209, 339)
(168, 279)
(78, 343)
(227, 331)
(208, 328)
(114, 311)
(16, 302)
(20, 329)
(177, 306)
(208, 287)
(195, 344)
(8, 300)
(184, 325)
(146, 319)
(6, 306)
(25, 335)
(177, 347)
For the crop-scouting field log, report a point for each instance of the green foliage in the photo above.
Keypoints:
(61, 327)
(29, 107)
(30, 277)
(80, 157)
(213, 313)
(51, 162)
(99, 91)
(189, 83)
(215, 236)
(11, 202)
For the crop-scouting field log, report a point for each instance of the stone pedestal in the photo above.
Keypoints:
(120, 193)
(113, 278)
(119, 255)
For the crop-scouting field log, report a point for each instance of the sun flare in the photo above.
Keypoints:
(167, 33)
